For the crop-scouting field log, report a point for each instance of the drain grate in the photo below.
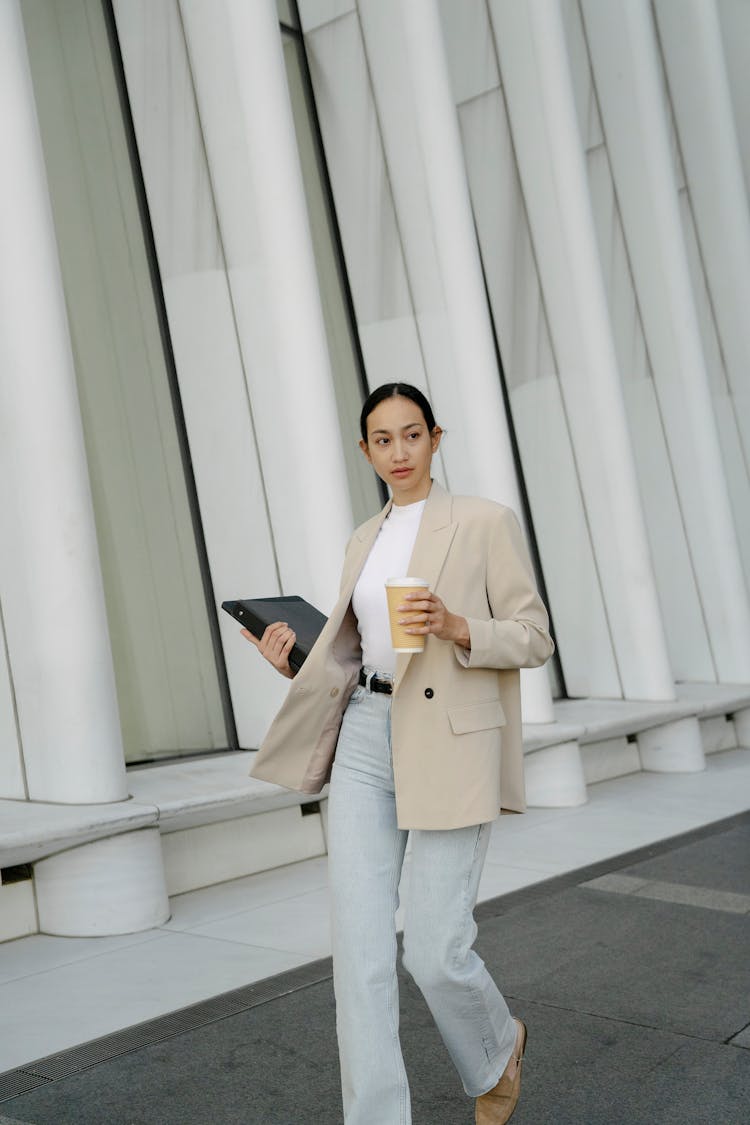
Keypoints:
(76, 1059)
(16, 1082)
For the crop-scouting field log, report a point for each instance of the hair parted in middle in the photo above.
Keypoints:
(396, 390)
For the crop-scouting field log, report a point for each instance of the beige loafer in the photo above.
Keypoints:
(497, 1105)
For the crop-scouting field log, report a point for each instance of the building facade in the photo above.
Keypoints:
(221, 223)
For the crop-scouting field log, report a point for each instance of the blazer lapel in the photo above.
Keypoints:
(358, 551)
(435, 535)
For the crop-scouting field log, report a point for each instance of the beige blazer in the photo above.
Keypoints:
(456, 714)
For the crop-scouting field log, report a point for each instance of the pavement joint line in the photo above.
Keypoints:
(543, 888)
(730, 1041)
(682, 894)
(619, 1019)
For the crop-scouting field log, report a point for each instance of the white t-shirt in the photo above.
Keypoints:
(388, 558)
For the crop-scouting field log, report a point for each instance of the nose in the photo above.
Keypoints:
(399, 451)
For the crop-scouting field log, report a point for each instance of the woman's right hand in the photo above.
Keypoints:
(275, 645)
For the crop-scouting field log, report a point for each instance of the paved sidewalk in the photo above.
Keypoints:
(633, 976)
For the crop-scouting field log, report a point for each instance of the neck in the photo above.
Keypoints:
(414, 495)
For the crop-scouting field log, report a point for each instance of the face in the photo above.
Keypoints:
(400, 447)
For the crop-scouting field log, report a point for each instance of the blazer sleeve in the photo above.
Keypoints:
(517, 634)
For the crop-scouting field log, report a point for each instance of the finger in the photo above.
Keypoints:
(414, 619)
(413, 607)
(278, 639)
(274, 628)
(289, 643)
(249, 636)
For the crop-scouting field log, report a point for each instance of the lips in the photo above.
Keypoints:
(400, 472)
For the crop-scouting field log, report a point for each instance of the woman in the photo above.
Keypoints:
(426, 745)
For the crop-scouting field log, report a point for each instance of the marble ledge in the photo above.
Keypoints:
(205, 790)
(31, 830)
(714, 699)
(596, 720)
(171, 797)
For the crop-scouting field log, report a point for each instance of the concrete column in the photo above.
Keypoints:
(538, 89)
(479, 409)
(53, 600)
(630, 92)
(50, 579)
(241, 89)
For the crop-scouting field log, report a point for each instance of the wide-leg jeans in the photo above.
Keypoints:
(366, 853)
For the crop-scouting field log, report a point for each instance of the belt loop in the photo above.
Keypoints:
(368, 680)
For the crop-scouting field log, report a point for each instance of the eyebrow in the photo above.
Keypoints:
(410, 426)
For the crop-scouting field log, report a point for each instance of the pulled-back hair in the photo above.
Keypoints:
(396, 390)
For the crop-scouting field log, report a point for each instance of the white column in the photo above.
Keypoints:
(691, 44)
(631, 98)
(537, 83)
(479, 409)
(50, 580)
(52, 595)
(243, 99)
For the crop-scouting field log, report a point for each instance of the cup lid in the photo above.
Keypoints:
(409, 581)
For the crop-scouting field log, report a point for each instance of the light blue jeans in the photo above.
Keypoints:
(366, 852)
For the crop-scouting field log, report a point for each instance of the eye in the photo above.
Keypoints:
(415, 434)
(382, 441)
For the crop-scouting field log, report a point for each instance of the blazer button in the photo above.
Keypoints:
(428, 693)
(334, 692)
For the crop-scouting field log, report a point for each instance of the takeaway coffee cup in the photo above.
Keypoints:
(396, 589)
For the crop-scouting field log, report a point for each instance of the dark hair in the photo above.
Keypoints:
(395, 390)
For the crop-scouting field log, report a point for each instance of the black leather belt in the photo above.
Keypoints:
(374, 684)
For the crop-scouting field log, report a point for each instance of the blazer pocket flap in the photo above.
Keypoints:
(477, 716)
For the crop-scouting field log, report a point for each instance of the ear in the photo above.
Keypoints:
(435, 437)
(365, 449)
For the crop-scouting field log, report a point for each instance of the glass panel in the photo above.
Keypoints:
(167, 683)
(347, 379)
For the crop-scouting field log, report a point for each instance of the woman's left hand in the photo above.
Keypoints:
(425, 613)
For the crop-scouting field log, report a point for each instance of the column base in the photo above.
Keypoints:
(675, 747)
(112, 886)
(554, 777)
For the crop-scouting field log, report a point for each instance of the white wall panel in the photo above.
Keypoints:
(359, 177)
(215, 400)
(734, 20)
(388, 329)
(686, 632)
(165, 669)
(507, 252)
(12, 784)
(718, 231)
(535, 67)
(240, 79)
(587, 111)
(728, 419)
(687, 636)
(630, 87)
(560, 525)
(406, 57)
(469, 49)
(570, 571)
(315, 13)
